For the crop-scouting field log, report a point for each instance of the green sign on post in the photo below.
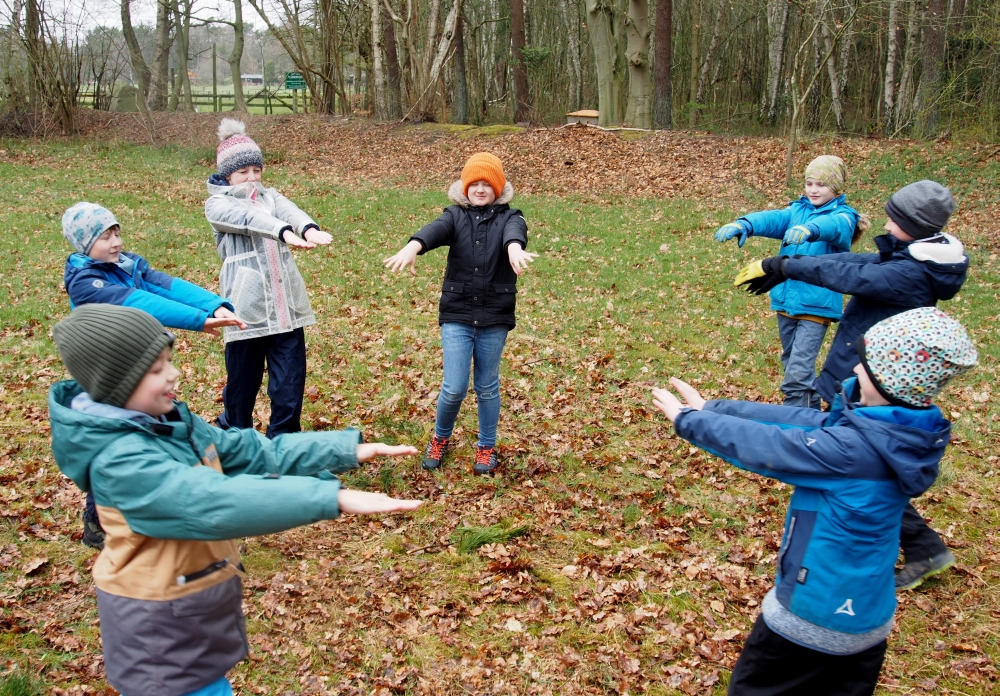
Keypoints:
(294, 80)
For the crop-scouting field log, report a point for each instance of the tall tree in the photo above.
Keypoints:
(522, 102)
(639, 110)
(777, 31)
(604, 24)
(662, 48)
(931, 68)
(393, 94)
(892, 50)
(160, 71)
(571, 18)
(693, 82)
(461, 114)
(378, 75)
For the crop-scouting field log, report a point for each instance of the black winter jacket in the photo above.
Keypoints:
(479, 285)
(902, 276)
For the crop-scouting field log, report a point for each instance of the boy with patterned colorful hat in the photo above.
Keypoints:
(824, 625)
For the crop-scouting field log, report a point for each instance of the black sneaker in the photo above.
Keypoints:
(913, 574)
(93, 534)
(486, 460)
(435, 452)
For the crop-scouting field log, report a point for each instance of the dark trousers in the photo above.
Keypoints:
(285, 356)
(919, 542)
(774, 666)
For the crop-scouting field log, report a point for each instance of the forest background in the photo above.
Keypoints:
(926, 68)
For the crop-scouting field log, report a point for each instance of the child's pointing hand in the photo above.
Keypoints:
(519, 258)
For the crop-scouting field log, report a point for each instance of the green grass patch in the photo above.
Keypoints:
(468, 539)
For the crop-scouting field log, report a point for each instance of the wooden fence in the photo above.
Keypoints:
(267, 100)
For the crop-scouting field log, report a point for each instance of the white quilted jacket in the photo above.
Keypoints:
(258, 271)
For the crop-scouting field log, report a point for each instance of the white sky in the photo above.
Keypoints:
(108, 12)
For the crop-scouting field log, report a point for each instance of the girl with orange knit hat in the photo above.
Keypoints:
(486, 240)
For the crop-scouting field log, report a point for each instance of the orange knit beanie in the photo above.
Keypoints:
(483, 166)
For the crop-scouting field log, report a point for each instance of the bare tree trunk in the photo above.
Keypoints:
(831, 70)
(890, 69)
(573, 48)
(813, 103)
(522, 104)
(394, 97)
(461, 111)
(693, 82)
(236, 57)
(712, 48)
(639, 112)
(139, 66)
(182, 14)
(662, 39)
(930, 72)
(603, 38)
(904, 105)
(161, 57)
(777, 30)
(377, 86)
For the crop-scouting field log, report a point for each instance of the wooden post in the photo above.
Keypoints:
(215, 82)
(295, 101)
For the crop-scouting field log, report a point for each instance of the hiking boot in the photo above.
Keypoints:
(435, 452)
(93, 534)
(912, 574)
(486, 460)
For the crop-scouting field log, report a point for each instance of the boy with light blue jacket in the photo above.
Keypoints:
(824, 625)
(820, 222)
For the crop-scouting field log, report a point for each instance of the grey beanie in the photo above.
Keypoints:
(108, 349)
(922, 208)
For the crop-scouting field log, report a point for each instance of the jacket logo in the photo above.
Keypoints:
(802, 575)
(211, 458)
(810, 441)
(846, 608)
(98, 283)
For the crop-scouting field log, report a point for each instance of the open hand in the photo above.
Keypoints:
(519, 258)
(294, 240)
(670, 405)
(222, 317)
(315, 236)
(367, 451)
(407, 256)
(364, 503)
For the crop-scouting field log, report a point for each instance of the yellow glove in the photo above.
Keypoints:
(748, 273)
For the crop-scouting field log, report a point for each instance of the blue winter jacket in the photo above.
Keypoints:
(902, 276)
(854, 470)
(834, 224)
(176, 303)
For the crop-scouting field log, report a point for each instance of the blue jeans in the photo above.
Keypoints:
(801, 340)
(482, 348)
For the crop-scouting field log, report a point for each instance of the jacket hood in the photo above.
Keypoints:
(217, 185)
(456, 192)
(911, 441)
(943, 255)
(78, 437)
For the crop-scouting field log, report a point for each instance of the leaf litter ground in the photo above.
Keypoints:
(642, 563)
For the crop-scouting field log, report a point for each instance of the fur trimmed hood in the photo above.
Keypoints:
(456, 192)
(944, 249)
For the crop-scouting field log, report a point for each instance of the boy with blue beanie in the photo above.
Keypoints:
(824, 625)
(176, 496)
(917, 265)
(100, 271)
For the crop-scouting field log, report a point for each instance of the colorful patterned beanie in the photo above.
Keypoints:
(84, 222)
(236, 149)
(911, 356)
(829, 169)
(484, 166)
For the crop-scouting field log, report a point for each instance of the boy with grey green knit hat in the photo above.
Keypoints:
(175, 496)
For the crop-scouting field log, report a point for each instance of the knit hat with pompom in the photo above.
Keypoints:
(236, 149)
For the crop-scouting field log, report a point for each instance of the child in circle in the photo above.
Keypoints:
(100, 271)
(824, 625)
(255, 227)
(177, 496)
(486, 240)
(820, 222)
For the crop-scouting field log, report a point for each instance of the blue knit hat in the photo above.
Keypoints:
(84, 222)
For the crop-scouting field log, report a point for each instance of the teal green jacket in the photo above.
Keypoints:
(152, 473)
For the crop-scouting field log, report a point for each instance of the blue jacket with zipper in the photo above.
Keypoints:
(854, 470)
(902, 276)
(176, 303)
(833, 226)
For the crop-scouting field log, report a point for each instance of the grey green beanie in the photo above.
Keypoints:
(84, 222)
(922, 208)
(108, 349)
